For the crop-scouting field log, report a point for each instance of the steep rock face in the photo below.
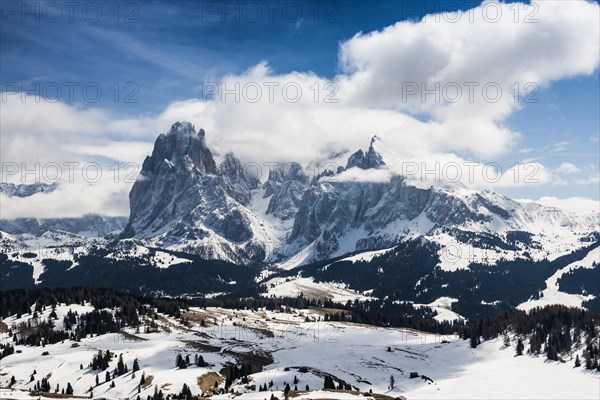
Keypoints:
(328, 211)
(169, 180)
(336, 216)
(235, 180)
(183, 200)
(286, 186)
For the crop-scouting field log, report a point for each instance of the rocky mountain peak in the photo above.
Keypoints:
(371, 159)
(180, 150)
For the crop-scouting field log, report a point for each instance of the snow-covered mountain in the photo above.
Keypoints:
(26, 190)
(184, 201)
(186, 207)
(89, 225)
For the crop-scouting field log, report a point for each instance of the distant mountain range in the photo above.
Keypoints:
(26, 190)
(187, 209)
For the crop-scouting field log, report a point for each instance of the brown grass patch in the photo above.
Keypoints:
(3, 327)
(164, 324)
(148, 381)
(61, 396)
(131, 337)
(323, 310)
(197, 316)
(262, 331)
(206, 382)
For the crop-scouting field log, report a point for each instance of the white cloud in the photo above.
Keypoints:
(368, 100)
(355, 174)
(107, 195)
(567, 168)
(472, 47)
(573, 204)
(123, 151)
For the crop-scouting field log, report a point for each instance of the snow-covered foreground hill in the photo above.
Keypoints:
(295, 346)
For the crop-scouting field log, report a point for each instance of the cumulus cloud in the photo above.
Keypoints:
(483, 46)
(567, 168)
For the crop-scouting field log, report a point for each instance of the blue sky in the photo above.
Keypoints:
(167, 49)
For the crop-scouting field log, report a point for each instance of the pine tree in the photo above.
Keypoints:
(200, 361)
(120, 366)
(143, 380)
(392, 382)
(577, 361)
(136, 365)
(520, 347)
(45, 385)
(107, 376)
(329, 383)
(69, 390)
(97, 380)
(551, 353)
(180, 362)
(473, 341)
(12, 380)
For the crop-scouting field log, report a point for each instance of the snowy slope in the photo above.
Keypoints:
(356, 354)
(551, 295)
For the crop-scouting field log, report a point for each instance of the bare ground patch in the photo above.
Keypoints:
(206, 382)
(148, 381)
(131, 337)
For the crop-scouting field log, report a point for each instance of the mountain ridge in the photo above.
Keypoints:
(190, 213)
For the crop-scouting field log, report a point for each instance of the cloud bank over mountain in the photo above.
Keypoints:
(401, 83)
